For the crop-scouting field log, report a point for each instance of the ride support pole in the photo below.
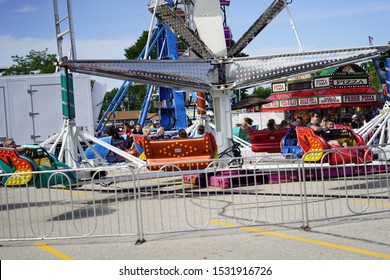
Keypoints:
(68, 109)
(387, 68)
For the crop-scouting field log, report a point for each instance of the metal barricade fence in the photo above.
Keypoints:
(267, 189)
(101, 202)
(358, 185)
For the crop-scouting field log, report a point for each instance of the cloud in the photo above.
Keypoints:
(3, 1)
(91, 49)
(86, 49)
(22, 46)
(26, 9)
(102, 49)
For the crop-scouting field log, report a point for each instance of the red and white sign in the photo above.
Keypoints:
(359, 98)
(278, 87)
(288, 103)
(329, 99)
(321, 82)
(308, 101)
(273, 104)
(350, 82)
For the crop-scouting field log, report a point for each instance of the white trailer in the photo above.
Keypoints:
(31, 106)
(259, 118)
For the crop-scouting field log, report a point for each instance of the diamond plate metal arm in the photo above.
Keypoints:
(176, 24)
(222, 74)
(272, 11)
(186, 75)
(250, 71)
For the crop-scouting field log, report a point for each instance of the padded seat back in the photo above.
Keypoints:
(165, 151)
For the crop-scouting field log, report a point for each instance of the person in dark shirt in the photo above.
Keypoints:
(355, 122)
(328, 135)
(137, 129)
(271, 125)
(315, 123)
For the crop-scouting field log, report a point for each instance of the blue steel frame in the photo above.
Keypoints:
(173, 115)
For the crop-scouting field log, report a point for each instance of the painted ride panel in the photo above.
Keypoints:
(165, 151)
(267, 140)
(30, 158)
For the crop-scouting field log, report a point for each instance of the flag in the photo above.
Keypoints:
(370, 39)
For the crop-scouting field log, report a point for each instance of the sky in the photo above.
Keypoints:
(103, 29)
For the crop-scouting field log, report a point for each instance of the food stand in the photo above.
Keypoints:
(338, 93)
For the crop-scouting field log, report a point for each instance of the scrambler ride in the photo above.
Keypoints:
(210, 66)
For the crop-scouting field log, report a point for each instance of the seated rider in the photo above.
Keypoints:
(314, 123)
(9, 143)
(271, 125)
(327, 134)
(246, 124)
(160, 133)
(199, 131)
(293, 139)
(182, 134)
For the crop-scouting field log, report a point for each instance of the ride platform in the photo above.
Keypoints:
(277, 174)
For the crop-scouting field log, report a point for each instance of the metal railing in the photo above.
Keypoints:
(267, 189)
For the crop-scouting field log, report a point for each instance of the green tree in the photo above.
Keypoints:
(241, 94)
(136, 93)
(374, 78)
(135, 50)
(262, 92)
(108, 97)
(133, 99)
(36, 62)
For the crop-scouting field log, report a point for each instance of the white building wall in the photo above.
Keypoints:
(259, 118)
(31, 106)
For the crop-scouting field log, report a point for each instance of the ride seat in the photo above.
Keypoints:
(44, 161)
(180, 151)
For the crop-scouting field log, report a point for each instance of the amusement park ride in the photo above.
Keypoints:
(209, 65)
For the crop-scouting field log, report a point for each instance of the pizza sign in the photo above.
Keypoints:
(350, 82)
(321, 82)
(278, 87)
(360, 98)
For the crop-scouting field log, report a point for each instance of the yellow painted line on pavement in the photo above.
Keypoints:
(371, 202)
(54, 251)
(73, 192)
(307, 240)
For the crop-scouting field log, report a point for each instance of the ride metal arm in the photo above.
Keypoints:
(223, 74)
(273, 10)
(265, 69)
(177, 25)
